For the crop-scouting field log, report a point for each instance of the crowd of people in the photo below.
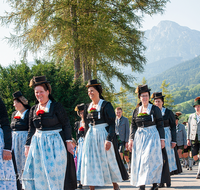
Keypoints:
(38, 151)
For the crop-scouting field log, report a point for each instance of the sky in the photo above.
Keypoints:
(183, 12)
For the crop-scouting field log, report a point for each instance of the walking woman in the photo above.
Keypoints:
(50, 163)
(147, 138)
(19, 126)
(99, 164)
(79, 128)
(7, 172)
(170, 136)
(193, 133)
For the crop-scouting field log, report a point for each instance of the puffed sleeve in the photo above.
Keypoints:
(31, 129)
(5, 126)
(133, 127)
(64, 120)
(172, 123)
(109, 115)
(159, 122)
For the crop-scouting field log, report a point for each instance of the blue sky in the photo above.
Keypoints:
(183, 12)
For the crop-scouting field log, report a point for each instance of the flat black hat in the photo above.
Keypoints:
(79, 107)
(157, 95)
(92, 83)
(38, 80)
(142, 88)
(19, 96)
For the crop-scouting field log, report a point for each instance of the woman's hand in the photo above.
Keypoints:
(26, 150)
(173, 144)
(70, 148)
(188, 142)
(185, 146)
(7, 155)
(130, 145)
(162, 143)
(107, 145)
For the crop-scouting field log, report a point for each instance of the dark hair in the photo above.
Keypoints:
(118, 108)
(162, 98)
(26, 106)
(99, 90)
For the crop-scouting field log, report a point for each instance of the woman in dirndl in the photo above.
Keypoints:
(19, 126)
(147, 138)
(49, 149)
(170, 136)
(79, 128)
(99, 165)
(7, 172)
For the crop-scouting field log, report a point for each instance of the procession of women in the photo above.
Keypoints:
(38, 151)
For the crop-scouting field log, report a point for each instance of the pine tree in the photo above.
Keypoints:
(168, 96)
(97, 35)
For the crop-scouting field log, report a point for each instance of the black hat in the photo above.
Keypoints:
(38, 80)
(18, 95)
(92, 83)
(196, 101)
(142, 88)
(157, 95)
(79, 107)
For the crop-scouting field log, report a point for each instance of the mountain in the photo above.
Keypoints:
(169, 39)
(184, 80)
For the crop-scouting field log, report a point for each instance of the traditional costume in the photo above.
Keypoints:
(49, 165)
(146, 132)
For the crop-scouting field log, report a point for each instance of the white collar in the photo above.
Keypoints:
(163, 111)
(21, 115)
(148, 108)
(46, 110)
(98, 106)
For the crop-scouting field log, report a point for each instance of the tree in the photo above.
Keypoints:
(122, 100)
(168, 97)
(98, 35)
(64, 88)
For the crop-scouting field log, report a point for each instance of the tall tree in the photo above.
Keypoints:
(97, 35)
(168, 96)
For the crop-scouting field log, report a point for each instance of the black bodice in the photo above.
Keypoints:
(56, 118)
(105, 115)
(169, 121)
(4, 123)
(154, 118)
(19, 124)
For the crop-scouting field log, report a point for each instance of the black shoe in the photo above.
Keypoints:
(168, 184)
(80, 186)
(154, 188)
(198, 176)
(142, 187)
(161, 185)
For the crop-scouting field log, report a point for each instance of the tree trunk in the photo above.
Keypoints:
(76, 58)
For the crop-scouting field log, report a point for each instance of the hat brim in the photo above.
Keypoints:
(43, 82)
(158, 97)
(91, 85)
(22, 99)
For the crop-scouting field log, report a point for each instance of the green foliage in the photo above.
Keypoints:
(64, 89)
(100, 34)
(168, 97)
(186, 107)
(121, 100)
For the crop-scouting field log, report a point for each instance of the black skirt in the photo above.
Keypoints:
(165, 178)
(179, 168)
(70, 175)
(122, 169)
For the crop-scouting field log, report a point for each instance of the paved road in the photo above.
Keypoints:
(186, 180)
